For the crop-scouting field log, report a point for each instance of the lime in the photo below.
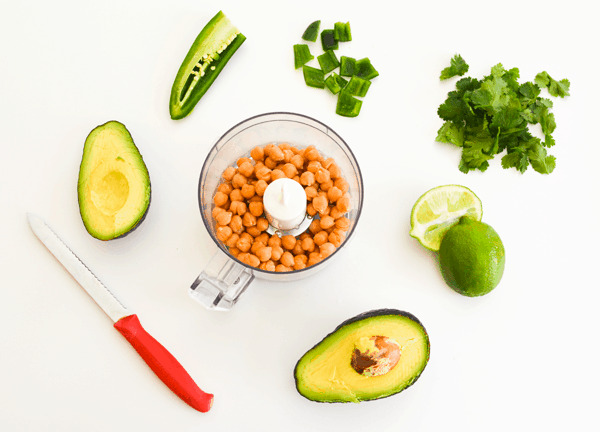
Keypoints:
(439, 209)
(472, 258)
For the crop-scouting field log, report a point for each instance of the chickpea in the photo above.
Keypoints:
(223, 233)
(326, 249)
(270, 163)
(216, 211)
(241, 161)
(257, 153)
(314, 258)
(249, 220)
(262, 224)
(224, 218)
(320, 203)
(220, 199)
(264, 174)
(296, 178)
(282, 269)
(234, 251)
(334, 194)
(298, 248)
(256, 208)
(311, 153)
(255, 198)
(253, 231)
(315, 226)
(335, 213)
(289, 170)
(232, 240)
(320, 238)
(304, 235)
(262, 238)
(343, 223)
(287, 259)
(299, 263)
(276, 253)
(308, 244)
(256, 246)
(326, 186)
(314, 167)
(297, 161)
(327, 162)
(274, 240)
(238, 207)
(243, 244)
(261, 187)
(268, 149)
(226, 188)
(335, 239)
(229, 173)
(341, 184)
(311, 210)
(277, 174)
(311, 192)
(236, 224)
(307, 178)
(327, 222)
(335, 171)
(288, 242)
(239, 180)
(276, 154)
(322, 175)
(236, 195)
(287, 155)
(264, 253)
(246, 169)
(343, 204)
(268, 266)
(247, 191)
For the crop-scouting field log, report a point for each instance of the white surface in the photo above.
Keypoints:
(524, 357)
(285, 203)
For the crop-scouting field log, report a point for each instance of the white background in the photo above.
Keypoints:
(524, 357)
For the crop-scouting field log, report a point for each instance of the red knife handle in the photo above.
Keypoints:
(164, 365)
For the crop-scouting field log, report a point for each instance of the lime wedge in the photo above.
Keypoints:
(439, 209)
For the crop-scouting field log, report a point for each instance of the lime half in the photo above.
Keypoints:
(439, 209)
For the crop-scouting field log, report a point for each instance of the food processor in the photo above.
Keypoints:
(225, 278)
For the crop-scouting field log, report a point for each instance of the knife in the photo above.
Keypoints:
(161, 361)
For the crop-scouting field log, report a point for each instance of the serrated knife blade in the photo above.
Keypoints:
(161, 361)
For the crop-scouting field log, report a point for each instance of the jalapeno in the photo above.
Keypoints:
(210, 52)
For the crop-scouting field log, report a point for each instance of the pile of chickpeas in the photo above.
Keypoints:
(239, 211)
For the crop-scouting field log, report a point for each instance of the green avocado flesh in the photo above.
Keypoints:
(114, 186)
(325, 373)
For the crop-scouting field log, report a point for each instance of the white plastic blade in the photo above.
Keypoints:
(101, 295)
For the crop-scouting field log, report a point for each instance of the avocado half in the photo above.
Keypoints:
(114, 186)
(325, 373)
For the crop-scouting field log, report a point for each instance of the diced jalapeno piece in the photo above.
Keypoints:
(328, 61)
(335, 83)
(365, 70)
(302, 55)
(313, 77)
(209, 53)
(328, 40)
(347, 105)
(358, 86)
(342, 32)
(312, 31)
(347, 66)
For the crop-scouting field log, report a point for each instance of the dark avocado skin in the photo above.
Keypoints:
(360, 317)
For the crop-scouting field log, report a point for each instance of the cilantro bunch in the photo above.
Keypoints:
(486, 117)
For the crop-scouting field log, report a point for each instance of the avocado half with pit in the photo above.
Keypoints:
(114, 186)
(371, 356)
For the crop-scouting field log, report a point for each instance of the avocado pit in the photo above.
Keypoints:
(375, 356)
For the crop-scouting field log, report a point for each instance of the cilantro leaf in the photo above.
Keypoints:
(517, 159)
(539, 159)
(452, 134)
(555, 88)
(457, 67)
